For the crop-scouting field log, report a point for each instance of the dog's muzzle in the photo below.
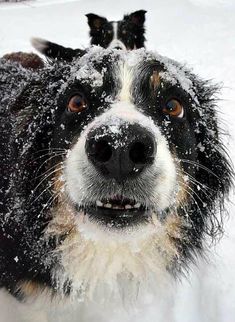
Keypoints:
(119, 154)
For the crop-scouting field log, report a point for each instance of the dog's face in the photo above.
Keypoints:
(135, 170)
(124, 34)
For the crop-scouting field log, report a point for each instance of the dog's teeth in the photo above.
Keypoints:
(108, 205)
(113, 206)
(99, 203)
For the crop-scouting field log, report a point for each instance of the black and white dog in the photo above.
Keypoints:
(127, 33)
(112, 174)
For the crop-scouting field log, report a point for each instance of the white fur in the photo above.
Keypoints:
(126, 77)
(14, 311)
(115, 30)
(108, 270)
(116, 42)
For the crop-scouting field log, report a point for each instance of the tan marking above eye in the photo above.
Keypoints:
(77, 103)
(124, 32)
(155, 79)
(97, 23)
(174, 108)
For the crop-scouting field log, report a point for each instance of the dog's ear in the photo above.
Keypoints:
(55, 51)
(137, 17)
(95, 22)
(26, 60)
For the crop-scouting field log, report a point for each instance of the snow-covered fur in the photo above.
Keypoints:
(112, 174)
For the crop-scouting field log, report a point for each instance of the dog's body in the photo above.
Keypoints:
(112, 173)
(127, 33)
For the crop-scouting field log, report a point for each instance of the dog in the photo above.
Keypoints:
(113, 172)
(127, 33)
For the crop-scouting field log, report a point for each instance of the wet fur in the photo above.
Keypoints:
(32, 236)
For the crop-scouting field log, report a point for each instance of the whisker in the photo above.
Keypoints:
(201, 186)
(46, 177)
(200, 166)
(49, 202)
(54, 166)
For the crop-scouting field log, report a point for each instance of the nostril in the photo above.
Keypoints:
(101, 151)
(141, 153)
(137, 153)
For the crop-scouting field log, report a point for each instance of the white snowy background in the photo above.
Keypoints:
(198, 32)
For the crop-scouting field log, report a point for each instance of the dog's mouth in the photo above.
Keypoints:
(116, 212)
(118, 203)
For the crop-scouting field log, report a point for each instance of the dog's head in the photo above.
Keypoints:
(127, 33)
(134, 172)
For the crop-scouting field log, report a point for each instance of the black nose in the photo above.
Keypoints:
(120, 152)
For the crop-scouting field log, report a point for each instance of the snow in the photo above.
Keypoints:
(199, 32)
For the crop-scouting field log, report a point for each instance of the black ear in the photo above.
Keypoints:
(52, 50)
(26, 60)
(95, 22)
(137, 17)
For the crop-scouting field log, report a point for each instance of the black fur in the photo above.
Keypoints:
(33, 108)
(55, 51)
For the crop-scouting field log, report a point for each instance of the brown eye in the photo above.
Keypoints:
(77, 103)
(174, 108)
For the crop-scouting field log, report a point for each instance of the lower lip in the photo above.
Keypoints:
(115, 217)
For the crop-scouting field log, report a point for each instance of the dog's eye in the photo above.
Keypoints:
(77, 103)
(174, 108)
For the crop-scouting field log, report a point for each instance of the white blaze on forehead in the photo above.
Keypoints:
(116, 43)
(128, 70)
(115, 30)
(126, 77)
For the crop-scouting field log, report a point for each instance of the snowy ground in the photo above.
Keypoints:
(199, 32)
